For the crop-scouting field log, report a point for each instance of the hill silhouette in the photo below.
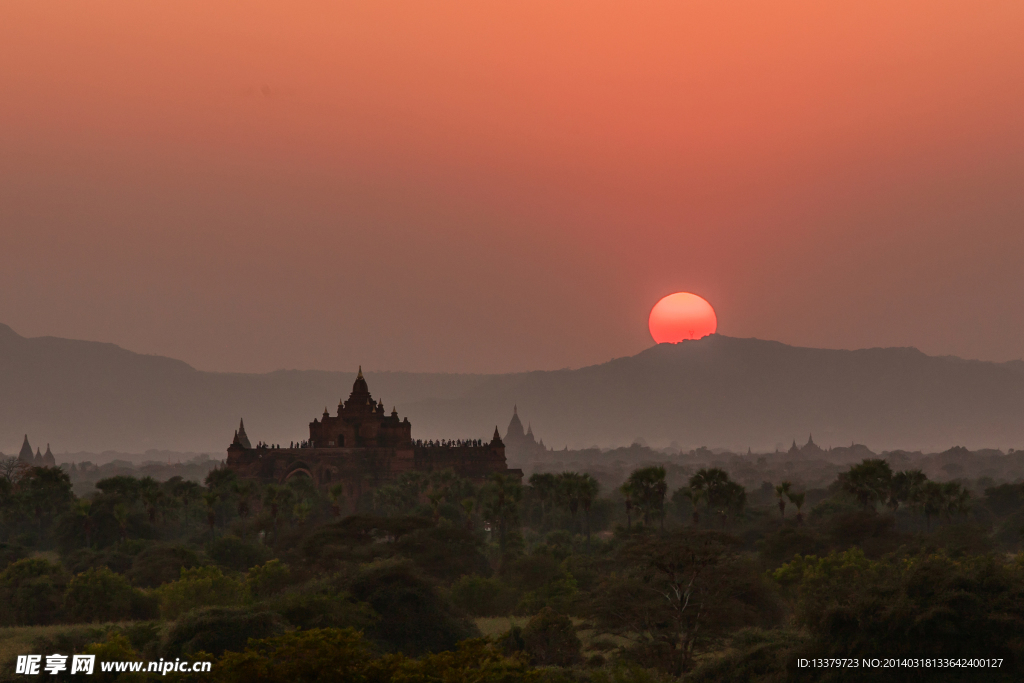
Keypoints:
(718, 391)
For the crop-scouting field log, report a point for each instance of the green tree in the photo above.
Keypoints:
(674, 595)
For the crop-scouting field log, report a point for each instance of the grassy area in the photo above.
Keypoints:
(17, 640)
(20, 640)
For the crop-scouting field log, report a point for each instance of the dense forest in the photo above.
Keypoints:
(560, 578)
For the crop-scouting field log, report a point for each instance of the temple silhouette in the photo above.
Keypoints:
(363, 447)
(37, 460)
(521, 445)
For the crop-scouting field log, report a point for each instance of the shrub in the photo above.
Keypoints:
(322, 606)
(86, 558)
(234, 553)
(31, 592)
(342, 655)
(482, 597)
(264, 580)
(160, 564)
(10, 553)
(198, 587)
(414, 618)
(444, 552)
(116, 647)
(550, 639)
(99, 594)
(216, 629)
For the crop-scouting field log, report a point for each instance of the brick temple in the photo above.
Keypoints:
(363, 447)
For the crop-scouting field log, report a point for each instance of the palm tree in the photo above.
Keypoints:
(468, 507)
(781, 491)
(277, 497)
(931, 500)
(543, 486)
(500, 505)
(629, 493)
(568, 493)
(82, 511)
(711, 482)
(186, 491)
(153, 496)
(588, 490)
(798, 500)
(869, 481)
(121, 515)
(694, 496)
(904, 487)
(648, 486)
(244, 491)
(210, 498)
(956, 500)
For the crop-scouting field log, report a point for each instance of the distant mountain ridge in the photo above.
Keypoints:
(717, 391)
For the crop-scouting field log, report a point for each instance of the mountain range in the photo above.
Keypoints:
(718, 391)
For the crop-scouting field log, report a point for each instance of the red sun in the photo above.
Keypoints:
(682, 316)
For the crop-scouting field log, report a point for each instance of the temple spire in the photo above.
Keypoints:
(241, 437)
(359, 375)
(26, 451)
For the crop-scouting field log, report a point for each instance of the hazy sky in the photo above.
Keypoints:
(492, 186)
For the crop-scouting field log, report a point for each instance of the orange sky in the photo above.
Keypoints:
(509, 185)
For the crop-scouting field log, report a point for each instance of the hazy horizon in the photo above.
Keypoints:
(442, 371)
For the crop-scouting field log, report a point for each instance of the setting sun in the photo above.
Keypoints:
(682, 316)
